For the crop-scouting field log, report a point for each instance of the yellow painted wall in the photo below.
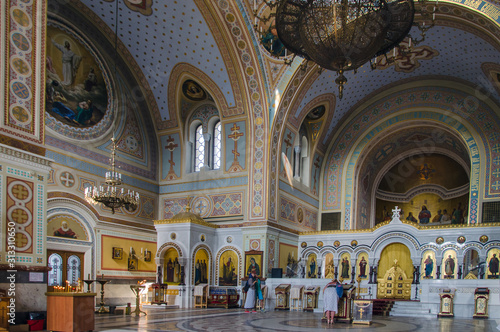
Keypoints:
(110, 264)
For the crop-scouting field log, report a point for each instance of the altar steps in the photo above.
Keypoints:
(410, 309)
(382, 307)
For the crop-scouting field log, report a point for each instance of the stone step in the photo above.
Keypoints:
(412, 314)
(410, 309)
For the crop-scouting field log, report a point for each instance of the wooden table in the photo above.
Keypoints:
(70, 311)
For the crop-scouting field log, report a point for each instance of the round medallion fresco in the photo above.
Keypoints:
(483, 239)
(439, 240)
(77, 93)
(461, 239)
(336, 243)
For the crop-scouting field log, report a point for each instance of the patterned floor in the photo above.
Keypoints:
(235, 320)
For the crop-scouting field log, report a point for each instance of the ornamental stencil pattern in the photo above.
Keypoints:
(209, 206)
(24, 35)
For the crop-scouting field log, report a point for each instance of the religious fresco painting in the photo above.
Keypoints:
(329, 266)
(172, 268)
(345, 266)
(228, 268)
(428, 265)
(171, 157)
(253, 261)
(492, 263)
(312, 266)
(235, 149)
(201, 267)
(362, 266)
(193, 91)
(471, 264)
(66, 226)
(75, 92)
(449, 265)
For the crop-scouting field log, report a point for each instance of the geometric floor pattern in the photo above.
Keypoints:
(235, 320)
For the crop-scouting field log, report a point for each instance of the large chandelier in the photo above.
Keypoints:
(340, 35)
(109, 194)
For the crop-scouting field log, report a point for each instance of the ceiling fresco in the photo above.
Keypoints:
(178, 32)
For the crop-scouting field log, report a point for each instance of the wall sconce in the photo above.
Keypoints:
(145, 254)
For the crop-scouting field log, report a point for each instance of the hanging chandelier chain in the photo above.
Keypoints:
(109, 194)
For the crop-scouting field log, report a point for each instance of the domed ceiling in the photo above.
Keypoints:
(463, 47)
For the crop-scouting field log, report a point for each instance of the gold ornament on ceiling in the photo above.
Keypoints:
(426, 171)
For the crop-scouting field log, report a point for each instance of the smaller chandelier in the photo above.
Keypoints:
(109, 194)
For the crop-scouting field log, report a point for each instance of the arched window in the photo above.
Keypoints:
(73, 270)
(199, 149)
(55, 275)
(217, 146)
(66, 266)
(205, 138)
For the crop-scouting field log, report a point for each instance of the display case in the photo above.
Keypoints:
(363, 312)
(159, 293)
(282, 292)
(226, 297)
(481, 296)
(311, 294)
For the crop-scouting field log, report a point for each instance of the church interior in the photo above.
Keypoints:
(175, 146)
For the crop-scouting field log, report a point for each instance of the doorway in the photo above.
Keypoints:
(67, 269)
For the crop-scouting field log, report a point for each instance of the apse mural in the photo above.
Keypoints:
(75, 92)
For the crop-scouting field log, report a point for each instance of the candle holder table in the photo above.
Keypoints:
(137, 291)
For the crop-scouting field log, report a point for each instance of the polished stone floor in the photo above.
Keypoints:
(235, 320)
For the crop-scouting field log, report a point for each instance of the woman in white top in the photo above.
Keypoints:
(331, 300)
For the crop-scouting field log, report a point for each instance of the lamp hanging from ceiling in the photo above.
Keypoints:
(340, 35)
(110, 195)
